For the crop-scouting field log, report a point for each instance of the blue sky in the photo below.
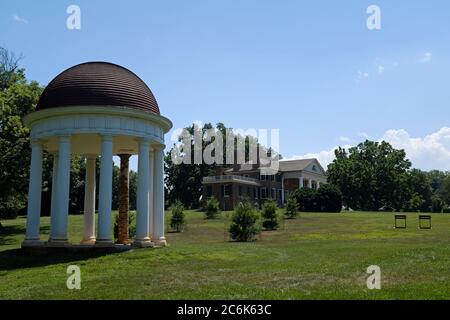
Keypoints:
(310, 68)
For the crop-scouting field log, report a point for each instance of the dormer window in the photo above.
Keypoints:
(314, 168)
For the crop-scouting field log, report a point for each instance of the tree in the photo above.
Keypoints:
(291, 208)
(244, 222)
(370, 175)
(329, 198)
(306, 199)
(212, 208)
(269, 215)
(420, 191)
(17, 98)
(177, 220)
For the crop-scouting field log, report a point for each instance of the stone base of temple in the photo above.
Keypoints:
(104, 243)
(160, 242)
(33, 244)
(146, 243)
(57, 243)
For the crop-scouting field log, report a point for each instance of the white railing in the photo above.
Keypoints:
(230, 178)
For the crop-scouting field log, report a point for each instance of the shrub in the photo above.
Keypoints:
(291, 208)
(12, 206)
(329, 198)
(244, 222)
(177, 221)
(131, 225)
(306, 199)
(269, 215)
(212, 208)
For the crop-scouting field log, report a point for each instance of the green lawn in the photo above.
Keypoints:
(316, 256)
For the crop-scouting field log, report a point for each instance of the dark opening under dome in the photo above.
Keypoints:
(98, 84)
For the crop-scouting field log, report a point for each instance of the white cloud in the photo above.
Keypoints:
(19, 19)
(361, 76)
(427, 153)
(427, 57)
(364, 135)
(345, 139)
(380, 69)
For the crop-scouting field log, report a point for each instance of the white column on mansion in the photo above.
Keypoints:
(104, 236)
(151, 216)
(142, 196)
(89, 200)
(34, 194)
(58, 232)
(158, 199)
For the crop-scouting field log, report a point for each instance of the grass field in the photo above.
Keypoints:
(316, 256)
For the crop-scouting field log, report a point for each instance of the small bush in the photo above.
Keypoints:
(291, 208)
(212, 208)
(245, 222)
(177, 221)
(269, 215)
(329, 198)
(306, 199)
(11, 207)
(131, 225)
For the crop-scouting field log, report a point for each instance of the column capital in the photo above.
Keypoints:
(143, 140)
(91, 156)
(37, 142)
(64, 138)
(158, 147)
(107, 137)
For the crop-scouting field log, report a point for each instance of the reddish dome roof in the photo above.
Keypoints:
(98, 84)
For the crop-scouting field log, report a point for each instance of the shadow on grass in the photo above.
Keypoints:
(7, 233)
(19, 258)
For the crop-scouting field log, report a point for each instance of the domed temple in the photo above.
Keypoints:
(97, 109)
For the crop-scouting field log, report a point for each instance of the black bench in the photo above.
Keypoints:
(422, 218)
(400, 217)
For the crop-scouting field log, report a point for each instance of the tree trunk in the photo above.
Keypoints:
(124, 199)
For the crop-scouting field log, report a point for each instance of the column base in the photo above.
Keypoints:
(32, 243)
(143, 243)
(161, 242)
(88, 241)
(104, 243)
(57, 243)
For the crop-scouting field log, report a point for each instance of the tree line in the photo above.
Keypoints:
(375, 176)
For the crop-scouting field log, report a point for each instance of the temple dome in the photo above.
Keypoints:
(98, 84)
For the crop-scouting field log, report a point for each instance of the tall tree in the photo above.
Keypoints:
(370, 175)
(17, 98)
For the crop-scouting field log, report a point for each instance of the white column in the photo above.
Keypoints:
(89, 201)
(34, 196)
(301, 183)
(54, 188)
(58, 233)
(151, 216)
(309, 183)
(158, 197)
(142, 197)
(104, 236)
